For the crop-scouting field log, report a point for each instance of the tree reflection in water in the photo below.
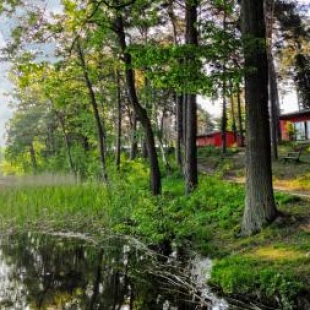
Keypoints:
(39, 271)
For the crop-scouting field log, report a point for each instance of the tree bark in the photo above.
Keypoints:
(133, 138)
(260, 206)
(173, 19)
(143, 149)
(241, 131)
(160, 138)
(274, 116)
(155, 177)
(233, 116)
(273, 87)
(224, 110)
(178, 98)
(93, 101)
(191, 38)
(276, 100)
(224, 118)
(118, 123)
(179, 130)
(66, 141)
(147, 98)
(33, 157)
(51, 134)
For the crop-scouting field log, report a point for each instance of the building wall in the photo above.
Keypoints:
(216, 140)
(295, 127)
(284, 126)
(297, 130)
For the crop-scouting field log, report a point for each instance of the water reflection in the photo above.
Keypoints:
(52, 272)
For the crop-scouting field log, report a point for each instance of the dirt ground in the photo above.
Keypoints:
(291, 177)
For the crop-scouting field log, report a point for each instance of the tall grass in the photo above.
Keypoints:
(62, 202)
(56, 206)
(125, 205)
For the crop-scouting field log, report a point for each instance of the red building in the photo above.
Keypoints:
(295, 126)
(215, 139)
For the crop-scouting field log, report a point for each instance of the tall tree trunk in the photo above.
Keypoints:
(233, 116)
(33, 157)
(259, 202)
(143, 148)
(66, 141)
(274, 119)
(118, 123)
(241, 131)
(173, 19)
(160, 138)
(94, 104)
(159, 123)
(273, 89)
(191, 38)
(184, 120)
(147, 98)
(133, 136)
(155, 177)
(178, 98)
(224, 118)
(276, 100)
(224, 110)
(179, 130)
(51, 137)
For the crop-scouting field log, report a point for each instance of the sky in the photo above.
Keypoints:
(288, 103)
(5, 85)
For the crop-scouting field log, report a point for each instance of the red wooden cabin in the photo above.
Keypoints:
(295, 126)
(215, 139)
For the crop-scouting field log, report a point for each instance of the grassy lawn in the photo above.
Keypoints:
(269, 265)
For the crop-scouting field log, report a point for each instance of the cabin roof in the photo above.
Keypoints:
(295, 115)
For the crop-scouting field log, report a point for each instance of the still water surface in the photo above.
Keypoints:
(39, 271)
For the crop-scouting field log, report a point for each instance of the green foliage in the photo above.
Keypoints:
(197, 217)
(247, 276)
(128, 205)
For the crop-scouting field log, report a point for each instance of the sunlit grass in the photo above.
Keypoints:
(271, 253)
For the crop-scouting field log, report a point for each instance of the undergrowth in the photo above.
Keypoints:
(273, 265)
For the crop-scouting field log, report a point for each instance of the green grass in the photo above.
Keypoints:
(52, 207)
(273, 265)
(290, 176)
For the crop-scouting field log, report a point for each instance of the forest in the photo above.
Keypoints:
(110, 99)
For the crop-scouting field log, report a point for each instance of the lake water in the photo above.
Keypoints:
(40, 271)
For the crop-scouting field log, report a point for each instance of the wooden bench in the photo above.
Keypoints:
(292, 157)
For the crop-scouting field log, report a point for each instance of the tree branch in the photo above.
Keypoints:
(117, 6)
